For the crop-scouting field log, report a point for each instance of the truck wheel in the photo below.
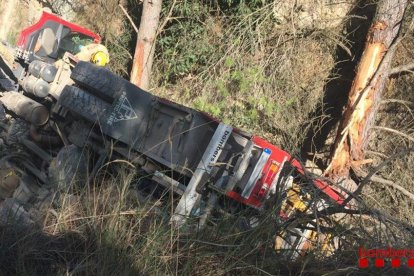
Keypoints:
(68, 169)
(2, 113)
(97, 79)
(18, 129)
(83, 103)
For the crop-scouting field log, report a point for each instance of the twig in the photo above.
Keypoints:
(376, 153)
(243, 262)
(129, 18)
(373, 172)
(167, 18)
(404, 103)
(397, 101)
(212, 243)
(374, 213)
(395, 132)
(394, 185)
(406, 68)
(390, 183)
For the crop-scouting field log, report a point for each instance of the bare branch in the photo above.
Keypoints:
(129, 18)
(397, 101)
(404, 103)
(372, 173)
(167, 18)
(395, 132)
(376, 153)
(406, 68)
(377, 179)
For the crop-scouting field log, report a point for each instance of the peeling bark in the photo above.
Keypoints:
(365, 94)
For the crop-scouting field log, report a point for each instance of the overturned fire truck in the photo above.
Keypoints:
(56, 105)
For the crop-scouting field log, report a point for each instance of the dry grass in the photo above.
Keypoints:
(102, 229)
(267, 83)
(396, 113)
(266, 79)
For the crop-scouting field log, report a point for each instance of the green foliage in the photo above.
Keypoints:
(229, 58)
(119, 51)
(12, 37)
(240, 7)
(192, 39)
(184, 47)
(202, 103)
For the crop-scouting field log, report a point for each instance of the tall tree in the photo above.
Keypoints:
(365, 95)
(145, 46)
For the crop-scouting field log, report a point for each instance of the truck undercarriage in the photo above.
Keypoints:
(61, 122)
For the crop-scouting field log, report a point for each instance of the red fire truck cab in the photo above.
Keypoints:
(51, 37)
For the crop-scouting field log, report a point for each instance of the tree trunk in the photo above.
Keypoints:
(366, 91)
(144, 50)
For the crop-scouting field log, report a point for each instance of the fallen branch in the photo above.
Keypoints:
(167, 18)
(406, 68)
(395, 132)
(373, 171)
(406, 104)
(377, 179)
(397, 101)
(380, 154)
(393, 185)
(365, 211)
(129, 18)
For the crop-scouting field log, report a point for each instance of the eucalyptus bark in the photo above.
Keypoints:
(145, 46)
(366, 91)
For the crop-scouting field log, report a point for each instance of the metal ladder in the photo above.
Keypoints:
(190, 197)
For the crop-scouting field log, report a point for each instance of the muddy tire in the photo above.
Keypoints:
(68, 169)
(82, 103)
(99, 80)
(2, 114)
(18, 129)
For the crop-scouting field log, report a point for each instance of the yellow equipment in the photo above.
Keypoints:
(100, 58)
(296, 241)
(95, 53)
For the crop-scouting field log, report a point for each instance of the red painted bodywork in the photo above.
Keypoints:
(321, 185)
(24, 35)
(263, 185)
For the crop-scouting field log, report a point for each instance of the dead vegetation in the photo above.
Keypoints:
(262, 75)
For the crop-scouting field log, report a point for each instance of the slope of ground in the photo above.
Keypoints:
(264, 67)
